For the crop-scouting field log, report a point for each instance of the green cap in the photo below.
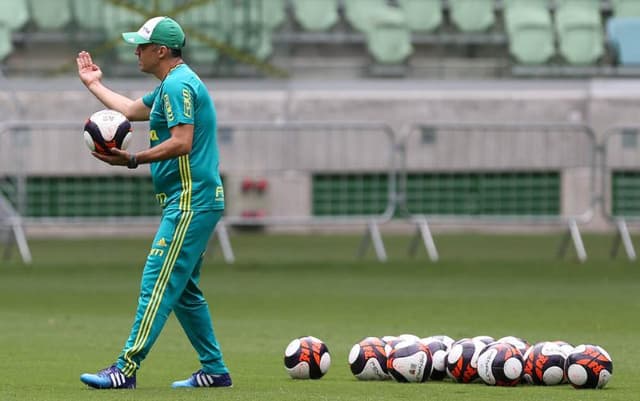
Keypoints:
(160, 30)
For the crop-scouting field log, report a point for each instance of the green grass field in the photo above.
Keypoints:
(70, 313)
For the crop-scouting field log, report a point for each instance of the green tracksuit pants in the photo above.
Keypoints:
(170, 283)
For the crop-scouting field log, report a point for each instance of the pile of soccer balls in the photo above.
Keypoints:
(507, 361)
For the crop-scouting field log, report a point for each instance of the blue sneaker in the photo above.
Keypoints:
(201, 379)
(109, 378)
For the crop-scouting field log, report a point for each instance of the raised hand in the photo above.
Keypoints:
(87, 70)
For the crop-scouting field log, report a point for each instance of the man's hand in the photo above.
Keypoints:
(88, 71)
(116, 158)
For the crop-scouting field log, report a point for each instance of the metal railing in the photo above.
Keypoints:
(620, 174)
(324, 170)
(336, 174)
(50, 177)
(498, 173)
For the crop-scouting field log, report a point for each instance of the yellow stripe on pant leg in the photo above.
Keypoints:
(185, 178)
(158, 292)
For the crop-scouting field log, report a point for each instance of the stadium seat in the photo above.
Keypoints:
(157, 7)
(534, 3)
(530, 30)
(472, 15)
(273, 13)
(264, 45)
(422, 15)
(579, 28)
(206, 20)
(118, 19)
(360, 13)
(389, 40)
(50, 14)
(257, 42)
(6, 47)
(14, 13)
(625, 8)
(315, 15)
(245, 28)
(273, 16)
(199, 15)
(129, 16)
(200, 52)
(622, 36)
(88, 14)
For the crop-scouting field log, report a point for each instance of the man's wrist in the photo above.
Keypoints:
(133, 161)
(93, 85)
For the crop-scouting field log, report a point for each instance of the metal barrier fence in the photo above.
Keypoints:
(621, 183)
(330, 173)
(334, 174)
(524, 173)
(11, 224)
(49, 176)
(274, 174)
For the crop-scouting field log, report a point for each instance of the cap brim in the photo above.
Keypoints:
(134, 38)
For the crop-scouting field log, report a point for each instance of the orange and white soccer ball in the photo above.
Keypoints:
(307, 358)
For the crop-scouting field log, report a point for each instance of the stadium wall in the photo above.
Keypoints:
(599, 103)
(400, 103)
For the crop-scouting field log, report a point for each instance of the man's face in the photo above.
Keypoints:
(148, 57)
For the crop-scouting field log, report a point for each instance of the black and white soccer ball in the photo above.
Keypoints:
(462, 360)
(566, 347)
(544, 364)
(448, 341)
(439, 350)
(589, 366)
(485, 339)
(307, 358)
(368, 359)
(520, 343)
(409, 362)
(107, 129)
(391, 341)
(500, 364)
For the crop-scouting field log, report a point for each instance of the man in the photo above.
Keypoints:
(184, 167)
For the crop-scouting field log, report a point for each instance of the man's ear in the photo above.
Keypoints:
(164, 52)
